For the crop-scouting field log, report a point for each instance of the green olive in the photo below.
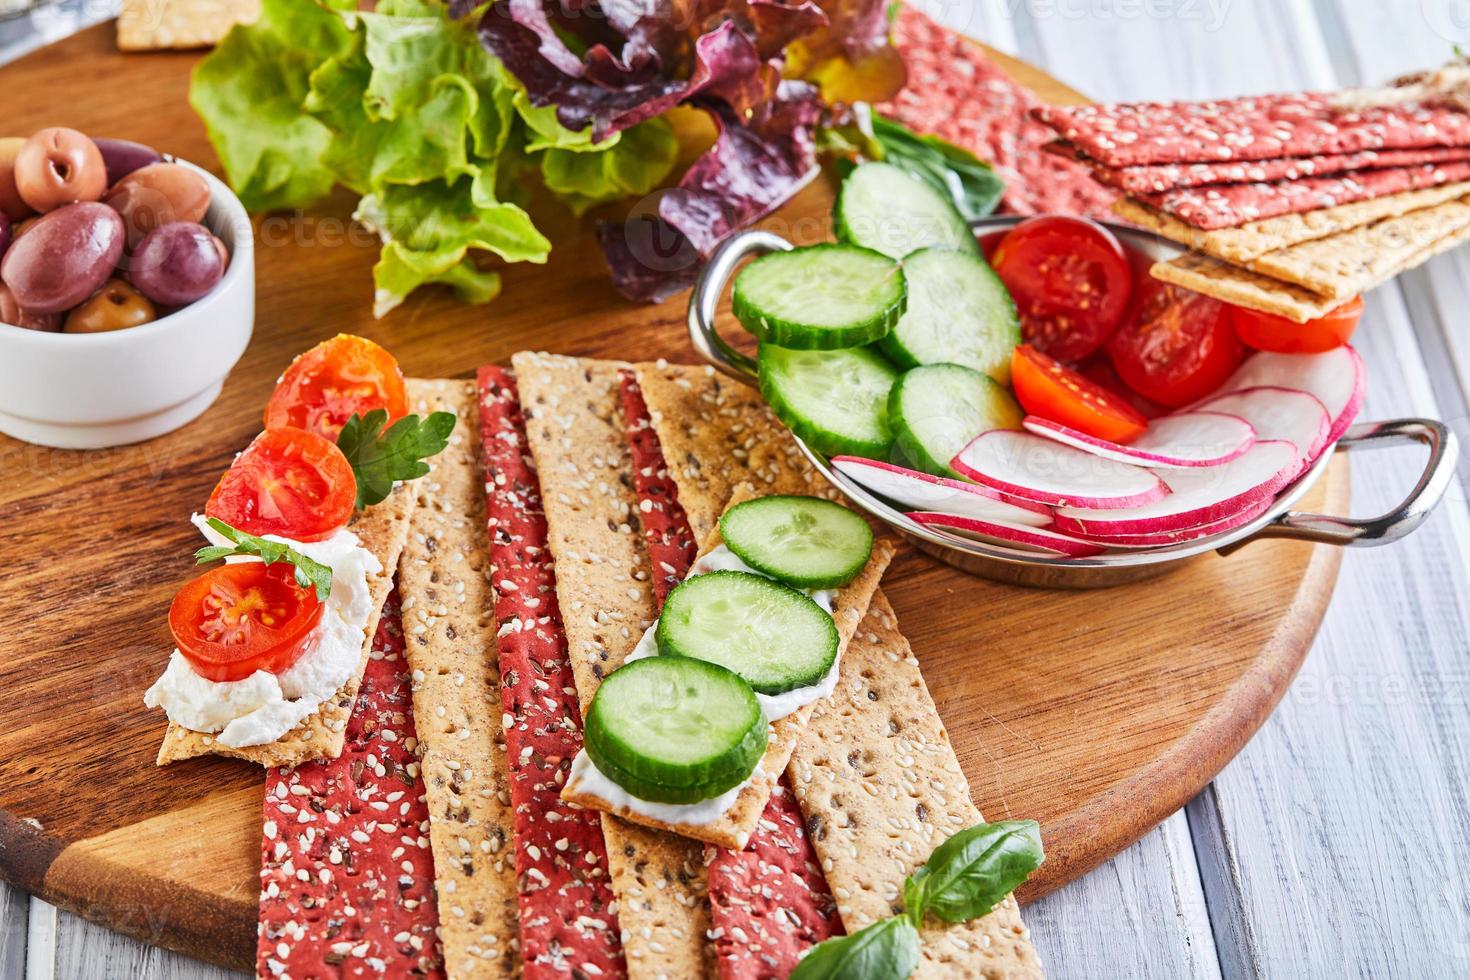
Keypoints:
(116, 306)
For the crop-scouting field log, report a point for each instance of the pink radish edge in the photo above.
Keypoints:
(1133, 456)
(1268, 369)
(1157, 492)
(1094, 522)
(1159, 539)
(1310, 452)
(980, 490)
(1051, 542)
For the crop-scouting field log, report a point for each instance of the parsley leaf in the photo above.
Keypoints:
(309, 572)
(379, 459)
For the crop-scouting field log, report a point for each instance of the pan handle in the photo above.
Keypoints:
(705, 301)
(1439, 471)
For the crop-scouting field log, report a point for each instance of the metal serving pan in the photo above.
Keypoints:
(1029, 568)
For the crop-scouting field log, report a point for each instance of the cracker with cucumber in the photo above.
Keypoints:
(691, 734)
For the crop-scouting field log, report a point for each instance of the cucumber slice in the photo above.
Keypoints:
(937, 409)
(807, 542)
(675, 729)
(835, 401)
(958, 312)
(775, 637)
(889, 210)
(820, 298)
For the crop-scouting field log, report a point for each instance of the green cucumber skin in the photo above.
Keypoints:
(794, 335)
(751, 750)
(823, 440)
(961, 237)
(668, 645)
(892, 343)
(836, 579)
(908, 445)
(638, 773)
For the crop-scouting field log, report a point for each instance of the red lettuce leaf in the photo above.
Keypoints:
(754, 167)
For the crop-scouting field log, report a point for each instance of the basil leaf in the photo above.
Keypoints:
(310, 574)
(957, 173)
(380, 459)
(887, 950)
(969, 873)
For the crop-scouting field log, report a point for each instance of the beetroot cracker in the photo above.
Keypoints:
(1156, 178)
(1230, 205)
(1251, 128)
(347, 877)
(960, 95)
(666, 531)
(768, 902)
(568, 926)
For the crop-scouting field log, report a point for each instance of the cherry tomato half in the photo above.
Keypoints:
(236, 619)
(1267, 331)
(1175, 346)
(1070, 279)
(1050, 389)
(287, 482)
(322, 388)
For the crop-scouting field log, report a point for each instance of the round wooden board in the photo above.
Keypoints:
(1098, 713)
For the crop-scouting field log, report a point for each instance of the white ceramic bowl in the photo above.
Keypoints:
(88, 391)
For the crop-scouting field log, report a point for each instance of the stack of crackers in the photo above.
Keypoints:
(1289, 204)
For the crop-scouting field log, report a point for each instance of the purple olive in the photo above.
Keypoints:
(11, 313)
(64, 257)
(122, 157)
(4, 234)
(177, 263)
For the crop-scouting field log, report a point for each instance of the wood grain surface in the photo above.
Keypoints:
(1097, 713)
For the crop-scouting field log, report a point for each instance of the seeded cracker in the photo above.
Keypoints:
(156, 25)
(382, 529)
(1256, 238)
(880, 786)
(734, 827)
(449, 638)
(578, 437)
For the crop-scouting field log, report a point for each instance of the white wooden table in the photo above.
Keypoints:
(1338, 842)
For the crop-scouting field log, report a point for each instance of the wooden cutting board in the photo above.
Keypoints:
(1098, 713)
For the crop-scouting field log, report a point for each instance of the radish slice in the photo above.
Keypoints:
(1161, 539)
(1181, 440)
(1200, 495)
(1047, 472)
(1336, 378)
(920, 491)
(1280, 413)
(1010, 535)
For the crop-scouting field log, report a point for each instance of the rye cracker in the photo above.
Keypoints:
(578, 438)
(734, 827)
(449, 639)
(880, 786)
(1256, 238)
(157, 25)
(717, 434)
(382, 530)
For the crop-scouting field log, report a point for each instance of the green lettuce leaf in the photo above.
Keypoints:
(428, 230)
(249, 92)
(639, 161)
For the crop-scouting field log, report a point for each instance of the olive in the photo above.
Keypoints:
(5, 235)
(10, 203)
(21, 227)
(11, 313)
(59, 166)
(122, 157)
(116, 306)
(177, 263)
(65, 257)
(156, 195)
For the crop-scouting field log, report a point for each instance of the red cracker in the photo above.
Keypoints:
(347, 877)
(568, 927)
(957, 93)
(769, 902)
